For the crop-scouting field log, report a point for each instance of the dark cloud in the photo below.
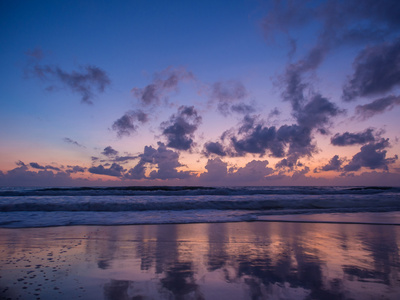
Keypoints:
(70, 141)
(350, 21)
(163, 83)
(36, 166)
(335, 164)
(115, 170)
(256, 138)
(75, 169)
(127, 124)
(84, 82)
(289, 163)
(340, 22)
(377, 106)
(109, 151)
(214, 148)
(20, 163)
(372, 156)
(179, 130)
(348, 138)
(300, 173)
(166, 161)
(377, 71)
(316, 113)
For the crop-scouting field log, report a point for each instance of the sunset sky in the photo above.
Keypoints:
(243, 92)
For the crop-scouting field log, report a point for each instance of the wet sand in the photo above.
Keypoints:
(256, 260)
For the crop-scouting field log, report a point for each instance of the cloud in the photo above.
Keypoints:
(163, 83)
(348, 138)
(115, 170)
(337, 23)
(316, 113)
(36, 166)
(180, 128)
(377, 71)
(36, 53)
(228, 91)
(340, 21)
(242, 108)
(227, 94)
(124, 158)
(216, 171)
(372, 156)
(127, 124)
(335, 164)
(22, 173)
(75, 169)
(70, 141)
(39, 167)
(83, 82)
(287, 140)
(377, 106)
(254, 172)
(214, 148)
(109, 152)
(166, 161)
(20, 163)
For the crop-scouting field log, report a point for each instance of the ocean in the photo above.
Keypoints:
(50, 206)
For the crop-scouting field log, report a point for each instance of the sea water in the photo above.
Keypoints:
(50, 206)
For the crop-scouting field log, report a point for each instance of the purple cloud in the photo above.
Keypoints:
(372, 156)
(115, 170)
(377, 106)
(348, 138)
(70, 141)
(127, 124)
(180, 128)
(166, 161)
(163, 83)
(109, 152)
(83, 82)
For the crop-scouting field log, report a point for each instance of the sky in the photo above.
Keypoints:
(245, 92)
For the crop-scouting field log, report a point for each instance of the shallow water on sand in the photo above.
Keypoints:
(256, 260)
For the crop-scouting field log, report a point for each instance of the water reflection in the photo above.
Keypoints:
(205, 261)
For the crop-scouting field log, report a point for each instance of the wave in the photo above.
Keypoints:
(194, 190)
(246, 203)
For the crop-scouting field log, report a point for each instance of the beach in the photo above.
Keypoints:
(242, 260)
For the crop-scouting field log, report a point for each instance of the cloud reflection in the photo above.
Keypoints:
(214, 261)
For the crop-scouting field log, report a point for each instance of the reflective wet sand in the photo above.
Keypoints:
(259, 260)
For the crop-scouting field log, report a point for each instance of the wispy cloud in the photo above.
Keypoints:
(71, 141)
(377, 106)
(86, 81)
(163, 83)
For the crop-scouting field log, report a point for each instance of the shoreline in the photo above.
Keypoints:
(238, 260)
(391, 218)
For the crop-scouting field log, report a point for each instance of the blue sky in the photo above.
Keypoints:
(189, 93)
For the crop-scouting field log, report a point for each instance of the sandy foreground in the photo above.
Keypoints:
(256, 260)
